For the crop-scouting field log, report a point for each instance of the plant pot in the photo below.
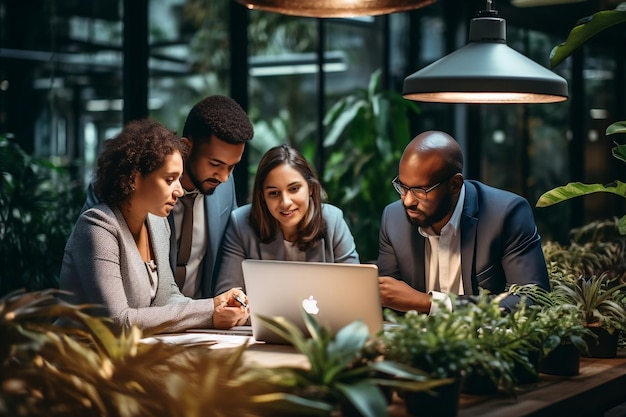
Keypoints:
(441, 401)
(478, 383)
(522, 375)
(564, 360)
(605, 346)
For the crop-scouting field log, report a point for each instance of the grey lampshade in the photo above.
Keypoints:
(485, 70)
(335, 8)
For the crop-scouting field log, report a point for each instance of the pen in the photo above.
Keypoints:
(240, 301)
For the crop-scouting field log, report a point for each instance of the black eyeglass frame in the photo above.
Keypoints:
(416, 192)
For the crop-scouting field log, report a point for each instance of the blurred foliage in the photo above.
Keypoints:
(90, 369)
(38, 207)
(366, 132)
(87, 367)
(594, 249)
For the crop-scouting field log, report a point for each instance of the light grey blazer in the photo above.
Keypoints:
(241, 242)
(102, 266)
(500, 245)
(217, 208)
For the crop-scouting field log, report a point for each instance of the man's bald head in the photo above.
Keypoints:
(436, 143)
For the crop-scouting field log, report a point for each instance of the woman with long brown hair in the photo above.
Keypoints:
(286, 220)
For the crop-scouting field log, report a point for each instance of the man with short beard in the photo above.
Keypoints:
(216, 131)
(460, 234)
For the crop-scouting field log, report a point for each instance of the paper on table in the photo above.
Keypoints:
(212, 339)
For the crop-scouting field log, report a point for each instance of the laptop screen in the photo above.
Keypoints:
(336, 294)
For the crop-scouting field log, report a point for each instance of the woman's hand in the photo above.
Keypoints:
(231, 309)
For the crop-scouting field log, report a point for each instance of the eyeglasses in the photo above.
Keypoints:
(417, 192)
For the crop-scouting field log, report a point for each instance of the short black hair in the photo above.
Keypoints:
(221, 116)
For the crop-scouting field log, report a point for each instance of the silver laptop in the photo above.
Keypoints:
(337, 294)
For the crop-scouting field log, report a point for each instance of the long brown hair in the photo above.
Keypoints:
(312, 227)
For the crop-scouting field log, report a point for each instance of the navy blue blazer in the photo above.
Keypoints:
(500, 245)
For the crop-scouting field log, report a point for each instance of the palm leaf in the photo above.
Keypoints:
(585, 29)
(576, 189)
(617, 127)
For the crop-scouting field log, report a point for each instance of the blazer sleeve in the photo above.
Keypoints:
(523, 261)
(344, 247)
(234, 252)
(387, 261)
(106, 271)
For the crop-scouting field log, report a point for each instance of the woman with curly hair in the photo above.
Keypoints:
(117, 256)
(285, 221)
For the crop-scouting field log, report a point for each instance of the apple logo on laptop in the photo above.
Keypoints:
(310, 305)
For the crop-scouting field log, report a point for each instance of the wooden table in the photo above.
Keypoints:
(600, 386)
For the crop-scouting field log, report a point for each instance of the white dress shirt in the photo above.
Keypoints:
(443, 258)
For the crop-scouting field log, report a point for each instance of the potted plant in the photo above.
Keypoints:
(473, 339)
(600, 306)
(558, 329)
(345, 371)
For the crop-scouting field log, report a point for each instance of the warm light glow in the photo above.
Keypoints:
(335, 8)
(484, 97)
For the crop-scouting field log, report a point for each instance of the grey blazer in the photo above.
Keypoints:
(500, 245)
(102, 266)
(217, 210)
(241, 242)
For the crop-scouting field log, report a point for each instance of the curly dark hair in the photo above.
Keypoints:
(312, 227)
(141, 147)
(219, 115)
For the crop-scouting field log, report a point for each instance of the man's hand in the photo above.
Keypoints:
(230, 310)
(400, 296)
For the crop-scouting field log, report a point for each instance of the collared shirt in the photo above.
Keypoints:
(199, 238)
(442, 254)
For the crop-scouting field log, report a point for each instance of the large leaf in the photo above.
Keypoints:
(365, 397)
(585, 29)
(619, 152)
(617, 127)
(576, 189)
(283, 403)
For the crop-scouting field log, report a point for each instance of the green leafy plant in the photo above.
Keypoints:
(38, 208)
(475, 337)
(365, 134)
(94, 370)
(346, 368)
(584, 30)
(556, 321)
(598, 301)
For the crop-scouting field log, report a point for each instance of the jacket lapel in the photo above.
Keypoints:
(469, 222)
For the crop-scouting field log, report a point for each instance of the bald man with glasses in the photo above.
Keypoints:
(446, 235)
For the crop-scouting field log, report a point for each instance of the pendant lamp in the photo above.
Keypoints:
(335, 8)
(485, 70)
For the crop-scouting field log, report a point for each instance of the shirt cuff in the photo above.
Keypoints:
(439, 296)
